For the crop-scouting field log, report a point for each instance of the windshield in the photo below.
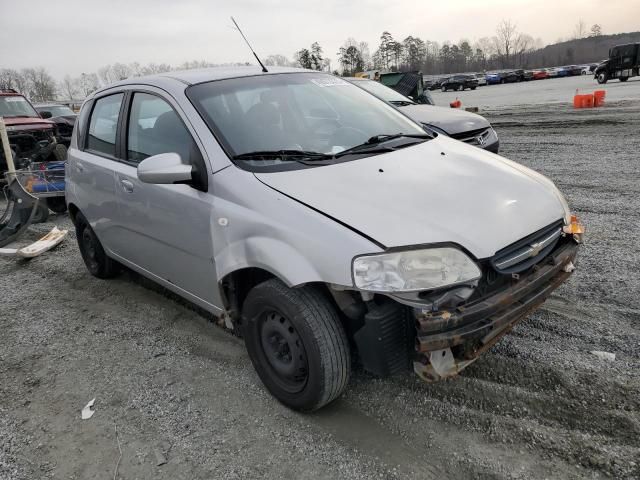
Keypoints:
(311, 112)
(16, 106)
(56, 110)
(385, 93)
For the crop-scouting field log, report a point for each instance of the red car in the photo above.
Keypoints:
(540, 74)
(31, 138)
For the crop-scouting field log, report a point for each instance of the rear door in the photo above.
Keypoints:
(90, 166)
(164, 230)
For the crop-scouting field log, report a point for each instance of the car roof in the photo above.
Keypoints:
(38, 105)
(182, 78)
(200, 75)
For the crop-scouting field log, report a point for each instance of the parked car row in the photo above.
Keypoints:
(473, 80)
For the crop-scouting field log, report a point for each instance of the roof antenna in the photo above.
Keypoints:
(264, 69)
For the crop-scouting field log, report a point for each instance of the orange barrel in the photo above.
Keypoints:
(577, 101)
(598, 97)
(587, 101)
(455, 104)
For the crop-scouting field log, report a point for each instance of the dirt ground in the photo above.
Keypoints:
(179, 398)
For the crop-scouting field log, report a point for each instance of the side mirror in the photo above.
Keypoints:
(164, 168)
(45, 114)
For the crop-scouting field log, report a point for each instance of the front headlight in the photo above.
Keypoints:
(414, 270)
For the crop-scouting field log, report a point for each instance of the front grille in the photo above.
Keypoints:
(473, 137)
(528, 251)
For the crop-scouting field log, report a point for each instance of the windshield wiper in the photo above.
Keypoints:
(373, 144)
(283, 155)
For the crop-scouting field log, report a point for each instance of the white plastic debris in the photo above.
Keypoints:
(604, 355)
(88, 411)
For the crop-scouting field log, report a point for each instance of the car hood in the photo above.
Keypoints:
(439, 191)
(35, 122)
(450, 120)
(65, 120)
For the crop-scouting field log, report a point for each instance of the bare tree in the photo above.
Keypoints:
(596, 30)
(506, 36)
(88, 83)
(69, 87)
(40, 85)
(580, 30)
(8, 78)
(277, 60)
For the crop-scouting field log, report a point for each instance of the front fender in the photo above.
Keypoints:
(270, 254)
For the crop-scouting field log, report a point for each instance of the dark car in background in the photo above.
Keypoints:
(62, 116)
(460, 82)
(573, 70)
(436, 83)
(465, 126)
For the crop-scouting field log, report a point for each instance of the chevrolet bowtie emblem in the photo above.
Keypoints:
(535, 249)
(480, 139)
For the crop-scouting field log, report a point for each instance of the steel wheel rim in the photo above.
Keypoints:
(284, 351)
(89, 248)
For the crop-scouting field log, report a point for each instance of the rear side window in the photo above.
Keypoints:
(103, 125)
(154, 127)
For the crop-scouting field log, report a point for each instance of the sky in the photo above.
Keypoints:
(76, 36)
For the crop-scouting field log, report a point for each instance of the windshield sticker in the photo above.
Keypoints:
(329, 81)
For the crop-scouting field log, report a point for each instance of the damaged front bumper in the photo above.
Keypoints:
(447, 341)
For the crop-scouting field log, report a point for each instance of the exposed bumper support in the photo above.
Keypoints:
(448, 341)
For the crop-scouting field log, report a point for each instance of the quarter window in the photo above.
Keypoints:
(154, 127)
(103, 125)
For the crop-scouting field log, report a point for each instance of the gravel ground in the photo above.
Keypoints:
(181, 399)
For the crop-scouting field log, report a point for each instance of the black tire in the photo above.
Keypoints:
(297, 344)
(42, 213)
(461, 88)
(57, 204)
(94, 256)
(59, 153)
(624, 79)
(444, 89)
(502, 81)
(602, 78)
(473, 88)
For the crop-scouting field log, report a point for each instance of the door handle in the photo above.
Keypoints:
(79, 167)
(127, 185)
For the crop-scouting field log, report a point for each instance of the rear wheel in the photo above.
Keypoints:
(296, 343)
(93, 254)
(624, 79)
(473, 88)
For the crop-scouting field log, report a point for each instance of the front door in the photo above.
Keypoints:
(164, 229)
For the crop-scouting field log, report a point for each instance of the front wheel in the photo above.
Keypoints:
(602, 77)
(296, 343)
(624, 79)
(444, 89)
(93, 254)
(473, 88)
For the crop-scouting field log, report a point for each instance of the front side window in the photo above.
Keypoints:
(154, 127)
(16, 106)
(103, 125)
(299, 111)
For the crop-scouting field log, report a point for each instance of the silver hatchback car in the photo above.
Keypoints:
(316, 220)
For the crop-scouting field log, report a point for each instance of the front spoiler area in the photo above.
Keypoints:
(449, 341)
